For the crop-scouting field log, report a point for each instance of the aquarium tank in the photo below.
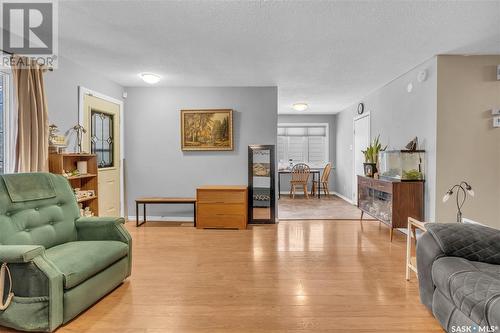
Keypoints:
(404, 165)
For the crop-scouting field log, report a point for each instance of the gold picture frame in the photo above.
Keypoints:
(208, 130)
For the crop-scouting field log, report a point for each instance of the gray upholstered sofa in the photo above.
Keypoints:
(459, 275)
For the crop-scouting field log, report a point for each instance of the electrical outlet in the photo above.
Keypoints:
(496, 121)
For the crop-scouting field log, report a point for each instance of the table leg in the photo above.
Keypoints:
(408, 252)
(279, 185)
(144, 213)
(319, 186)
(136, 214)
(194, 213)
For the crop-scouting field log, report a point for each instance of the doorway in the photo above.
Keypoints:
(360, 142)
(101, 117)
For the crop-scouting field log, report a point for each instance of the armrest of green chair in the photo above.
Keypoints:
(34, 279)
(104, 228)
(17, 254)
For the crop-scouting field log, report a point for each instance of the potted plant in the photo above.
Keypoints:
(371, 157)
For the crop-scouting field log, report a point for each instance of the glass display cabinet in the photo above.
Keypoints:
(261, 184)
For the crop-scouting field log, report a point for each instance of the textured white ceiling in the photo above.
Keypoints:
(328, 54)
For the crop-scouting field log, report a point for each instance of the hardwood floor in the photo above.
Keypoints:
(328, 208)
(298, 276)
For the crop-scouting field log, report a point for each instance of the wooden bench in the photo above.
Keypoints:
(161, 200)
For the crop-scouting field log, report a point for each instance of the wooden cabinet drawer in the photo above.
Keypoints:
(382, 186)
(222, 221)
(210, 209)
(209, 196)
(363, 181)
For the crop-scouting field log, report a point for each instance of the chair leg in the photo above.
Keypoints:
(313, 189)
(305, 191)
(293, 191)
(325, 189)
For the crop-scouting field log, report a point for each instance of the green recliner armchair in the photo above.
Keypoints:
(60, 263)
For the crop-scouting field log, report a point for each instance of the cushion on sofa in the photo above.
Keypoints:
(81, 260)
(473, 287)
(473, 293)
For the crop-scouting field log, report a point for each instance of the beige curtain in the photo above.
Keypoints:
(32, 146)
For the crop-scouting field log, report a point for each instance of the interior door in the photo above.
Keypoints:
(102, 122)
(361, 141)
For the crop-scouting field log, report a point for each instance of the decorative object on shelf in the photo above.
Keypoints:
(81, 166)
(390, 201)
(412, 145)
(207, 129)
(261, 184)
(85, 184)
(402, 165)
(80, 131)
(361, 108)
(371, 156)
(57, 143)
(460, 190)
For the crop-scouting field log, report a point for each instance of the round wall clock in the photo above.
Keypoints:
(361, 108)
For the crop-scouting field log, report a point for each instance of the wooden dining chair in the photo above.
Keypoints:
(323, 181)
(300, 176)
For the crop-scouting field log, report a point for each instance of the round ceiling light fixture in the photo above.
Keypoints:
(150, 78)
(300, 106)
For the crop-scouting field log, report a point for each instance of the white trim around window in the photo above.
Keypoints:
(9, 123)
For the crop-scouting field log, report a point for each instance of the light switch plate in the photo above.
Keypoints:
(495, 112)
(498, 73)
(496, 121)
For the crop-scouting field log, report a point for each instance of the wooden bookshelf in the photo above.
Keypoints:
(66, 162)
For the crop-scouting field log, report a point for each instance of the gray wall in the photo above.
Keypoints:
(330, 119)
(62, 92)
(397, 116)
(156, 165)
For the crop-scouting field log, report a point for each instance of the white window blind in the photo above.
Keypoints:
(307, 143)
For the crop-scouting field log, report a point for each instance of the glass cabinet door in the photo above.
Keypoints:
(261, 170)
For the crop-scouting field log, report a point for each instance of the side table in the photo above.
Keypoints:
(411, 262)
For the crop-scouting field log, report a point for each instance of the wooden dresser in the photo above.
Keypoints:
(391, 202)
(222, 206)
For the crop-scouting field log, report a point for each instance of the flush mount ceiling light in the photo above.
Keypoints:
(300, 106)
(150, 78)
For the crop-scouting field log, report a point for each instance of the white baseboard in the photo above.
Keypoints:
(164, 218)
(344, 198)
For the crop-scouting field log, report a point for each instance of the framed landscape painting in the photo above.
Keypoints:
(207, 129)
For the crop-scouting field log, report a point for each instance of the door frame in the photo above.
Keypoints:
(82, 91)
(354, 175)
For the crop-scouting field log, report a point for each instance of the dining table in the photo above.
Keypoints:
(315, 173)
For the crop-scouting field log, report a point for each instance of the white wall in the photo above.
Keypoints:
(62, 92)
(155, 164)
(397, 116)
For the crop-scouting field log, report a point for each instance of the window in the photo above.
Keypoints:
(307, 143)
(102, 138)
(4, 109)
